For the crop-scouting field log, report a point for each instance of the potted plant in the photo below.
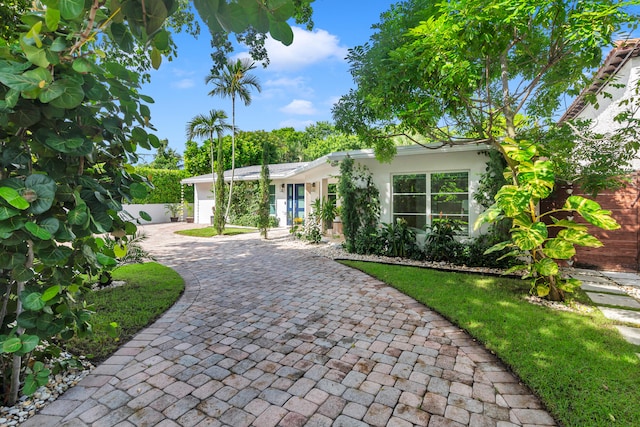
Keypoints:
(173, 209)
(188, 207)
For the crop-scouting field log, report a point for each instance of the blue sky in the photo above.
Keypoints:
(298, 88)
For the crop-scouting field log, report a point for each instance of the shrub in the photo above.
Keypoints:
(440, 244)
(166, 186)
(399, 240)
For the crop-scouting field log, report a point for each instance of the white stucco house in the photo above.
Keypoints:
(418, 184)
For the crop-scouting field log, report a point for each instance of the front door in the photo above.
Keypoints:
(295, 202)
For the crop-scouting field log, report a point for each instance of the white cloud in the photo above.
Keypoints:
(308, 48)
(299, 107)
(296, 124)
(283, 86)
(184, 83)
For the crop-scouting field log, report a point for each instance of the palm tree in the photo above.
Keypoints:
(233, 81)
(202, 126)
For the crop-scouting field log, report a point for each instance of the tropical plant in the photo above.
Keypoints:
(478, 71)
(326, 211)
(441, 243)
(264, 207)
(201, 126)
(234, 81)
(530, 237)
(173, 209)
(360, 210)
(399, 240)
(71, 120)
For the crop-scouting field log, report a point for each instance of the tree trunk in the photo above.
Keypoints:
(16, 365)
(233, 154)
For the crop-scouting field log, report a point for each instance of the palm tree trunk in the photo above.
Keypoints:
(233, 154)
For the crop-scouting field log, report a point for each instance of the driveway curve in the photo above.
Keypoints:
(270, 335)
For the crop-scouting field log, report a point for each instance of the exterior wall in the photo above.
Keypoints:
(603, 118)
(432, 161)
(157, 211)
(203, 203)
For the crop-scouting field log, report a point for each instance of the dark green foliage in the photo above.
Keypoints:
(491, 180)
(166, 186)
(474, 252)
(441, 244)
(219, 219)
(399, 240)
(263, 207)
(360, 211)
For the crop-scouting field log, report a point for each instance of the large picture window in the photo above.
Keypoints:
(422, 199)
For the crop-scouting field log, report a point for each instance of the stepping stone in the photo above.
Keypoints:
(620, 315)
(590, 278)
(617, 300)
(602, 287)
(629, 282)
(632, 335)
(615, 275)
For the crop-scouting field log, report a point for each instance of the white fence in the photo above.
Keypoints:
(157, 211)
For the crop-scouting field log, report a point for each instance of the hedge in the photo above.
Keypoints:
(166, 184)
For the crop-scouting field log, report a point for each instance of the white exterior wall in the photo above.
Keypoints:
(157, 211)
(203, 203)
(432, 161)
(608, 108)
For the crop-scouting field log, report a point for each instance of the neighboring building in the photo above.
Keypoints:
(418, 184)
(615, 82)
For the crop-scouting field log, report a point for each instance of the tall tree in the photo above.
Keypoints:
(487, 71)
(166, 157)
(264, 205)
(234, 82)
(214, 123)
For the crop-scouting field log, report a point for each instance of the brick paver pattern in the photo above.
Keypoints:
(269, 335)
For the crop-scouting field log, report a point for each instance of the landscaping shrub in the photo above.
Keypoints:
(166, 186)
(440, 244)
(399, 240)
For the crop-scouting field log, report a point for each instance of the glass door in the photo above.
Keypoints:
(295, 202)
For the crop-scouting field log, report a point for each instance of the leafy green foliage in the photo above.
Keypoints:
(360, 209)
(165, 186)
(264, 205)
(530, 235)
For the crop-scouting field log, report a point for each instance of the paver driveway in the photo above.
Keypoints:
(268, 335)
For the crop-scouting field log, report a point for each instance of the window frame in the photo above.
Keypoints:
(429, 215)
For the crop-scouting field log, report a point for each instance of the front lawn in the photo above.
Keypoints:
(211, 231)
(149, 291)
(583, 370)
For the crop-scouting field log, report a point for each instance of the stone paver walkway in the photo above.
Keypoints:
(269, 335)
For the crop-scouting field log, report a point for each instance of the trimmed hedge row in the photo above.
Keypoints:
(166, 184)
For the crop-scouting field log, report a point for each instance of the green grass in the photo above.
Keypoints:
(583, 370)
(150, 290)
(210, 231)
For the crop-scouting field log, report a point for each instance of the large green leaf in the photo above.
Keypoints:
(281, 10)
(11, 345)
(490, 215)
(559, 249)
(32, 301)
(20, 81)
(35, 55)
(51, 292)
(56, 255)
(281, 31)
(580, 237)
(122, 36)
(519, 152)
(28, 319)
(538, 177)
(78, 215)
(591, 212)
(547, 267)
(6, 212)
(29, 342)
(207, 10)
(42, 191)
(52, 18)
(72, 94)
(156, 15)
(105, 260)
(13, 198)
(71, 9)
(138, 190)
(21, 273)
(37, 231)
(512, 200)
(528, 238)
(9, 260)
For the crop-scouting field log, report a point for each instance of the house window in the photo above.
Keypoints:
(423, 198)
(332, 193)
(272, 199)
